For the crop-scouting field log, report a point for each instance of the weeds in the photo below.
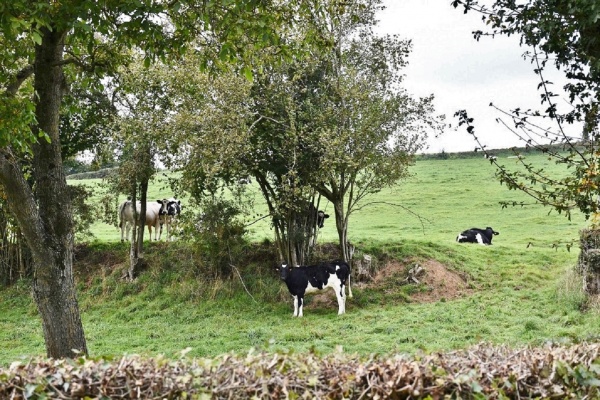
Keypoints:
(570, 291)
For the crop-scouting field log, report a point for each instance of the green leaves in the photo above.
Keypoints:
(36, 37)
(18, 115)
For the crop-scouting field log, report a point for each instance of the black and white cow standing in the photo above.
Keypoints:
(307, 279)
(169, 215)
(476, 235)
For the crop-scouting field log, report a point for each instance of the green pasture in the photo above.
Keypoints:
(440, 199)
(523, 290)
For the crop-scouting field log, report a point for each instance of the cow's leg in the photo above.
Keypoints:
(295, 306)
(341, 296)
(122, 225)
(300, 304)
(127, 227)
(157, 229)
(164, 221)
(160, 223)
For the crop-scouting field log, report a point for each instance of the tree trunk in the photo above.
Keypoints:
(589, 260)
(133, 242)
(46, 216)
(136, 253)
(53, 285)
(342, 229)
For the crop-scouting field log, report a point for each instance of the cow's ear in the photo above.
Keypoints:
(326, 216)
(159, 201)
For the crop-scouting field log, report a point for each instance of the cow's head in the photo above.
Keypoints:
(489, 229)
(173, 207)
(284, 271)
(321, 217)
(163, 206)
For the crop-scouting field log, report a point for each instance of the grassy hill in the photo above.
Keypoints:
(519, 291)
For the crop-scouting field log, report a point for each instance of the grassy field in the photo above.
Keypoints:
(521, 289)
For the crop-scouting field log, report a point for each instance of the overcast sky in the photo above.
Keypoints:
(461, 72)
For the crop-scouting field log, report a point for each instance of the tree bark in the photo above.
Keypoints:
(589, 260)
(45, 216)
(342, 228)
(136, 257)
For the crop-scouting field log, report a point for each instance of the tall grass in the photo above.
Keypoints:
(523, 288)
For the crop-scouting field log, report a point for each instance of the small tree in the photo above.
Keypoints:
(335, 125)
(365, 126)
(145, 108)
(225, 129)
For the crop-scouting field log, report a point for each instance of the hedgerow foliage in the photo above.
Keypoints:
(483, 371)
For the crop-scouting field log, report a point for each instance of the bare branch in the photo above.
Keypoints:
(241, 280)
(420, 218)
(257, 220)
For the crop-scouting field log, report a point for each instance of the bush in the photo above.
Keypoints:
(220, 235)
(482, 371)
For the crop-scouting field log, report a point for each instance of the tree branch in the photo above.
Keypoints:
(420, 218)
(257, 220)
(21, 77)
(241, 280)
(21, 201)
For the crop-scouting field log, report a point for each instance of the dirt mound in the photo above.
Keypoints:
(436, 283)
(441, 283)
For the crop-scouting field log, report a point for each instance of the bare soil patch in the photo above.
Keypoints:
(441, 283)
(436, 283)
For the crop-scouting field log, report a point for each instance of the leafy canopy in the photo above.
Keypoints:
(100, 35)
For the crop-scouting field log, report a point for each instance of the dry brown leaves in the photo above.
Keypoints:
(482, 371)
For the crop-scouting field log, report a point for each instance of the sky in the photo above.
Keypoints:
(461, 72)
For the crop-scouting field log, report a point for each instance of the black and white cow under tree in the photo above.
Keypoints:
(312, 278)
(476, 235)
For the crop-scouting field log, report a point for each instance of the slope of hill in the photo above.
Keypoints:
(521, 290)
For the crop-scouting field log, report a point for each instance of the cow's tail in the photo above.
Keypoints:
(121, 208)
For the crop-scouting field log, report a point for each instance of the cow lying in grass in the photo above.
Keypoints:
(307, 279)
(476, 235)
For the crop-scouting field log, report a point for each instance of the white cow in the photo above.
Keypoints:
(153, 213)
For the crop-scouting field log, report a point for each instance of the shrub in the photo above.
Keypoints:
(220, 235)
(480, 372)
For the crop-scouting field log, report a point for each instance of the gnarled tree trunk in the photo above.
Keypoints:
(45, 216)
